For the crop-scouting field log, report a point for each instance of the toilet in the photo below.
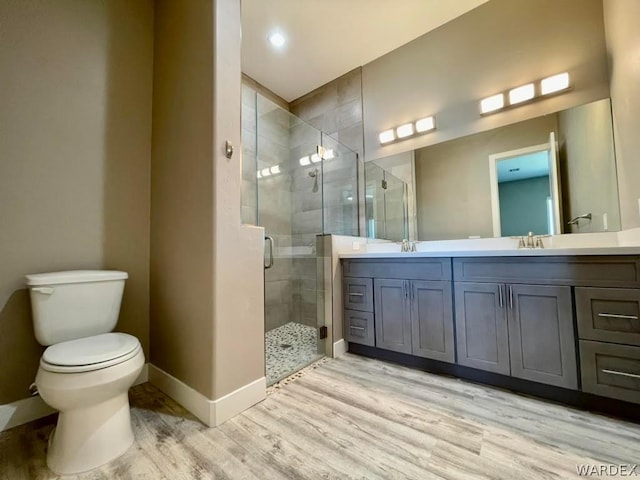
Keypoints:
(86, 371)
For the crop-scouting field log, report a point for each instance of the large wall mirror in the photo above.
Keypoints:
(548, 175)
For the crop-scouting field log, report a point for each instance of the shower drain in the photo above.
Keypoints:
(285, 345)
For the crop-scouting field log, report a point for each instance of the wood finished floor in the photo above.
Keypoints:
(353, 418)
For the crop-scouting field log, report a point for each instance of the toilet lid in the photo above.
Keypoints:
(91, 350)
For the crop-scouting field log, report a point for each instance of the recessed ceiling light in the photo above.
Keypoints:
(277, 39)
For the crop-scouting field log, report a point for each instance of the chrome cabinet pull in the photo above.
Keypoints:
(622, 374)
(356, 328)
(270, 240)
(500, 295)
(615, 315)
(406, 290)
(510, 297)
(356, 294)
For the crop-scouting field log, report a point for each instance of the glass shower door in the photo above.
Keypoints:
(289, 207)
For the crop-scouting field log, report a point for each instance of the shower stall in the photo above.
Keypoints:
(299, 184)
(386, 204)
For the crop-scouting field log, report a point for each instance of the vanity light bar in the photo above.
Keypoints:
(407, 130)
(321, 154)
(522, 94)
(492, 103)
(387, 136)
(553, 84)
(425, 124)
(525, 93)
(268, 171)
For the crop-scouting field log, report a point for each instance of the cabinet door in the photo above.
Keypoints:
(392, 322)
(481, 327)
(432, 320)
(541, 336)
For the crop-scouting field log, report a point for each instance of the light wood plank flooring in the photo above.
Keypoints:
(353, 418)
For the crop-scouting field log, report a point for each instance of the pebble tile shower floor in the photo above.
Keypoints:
(289, 348)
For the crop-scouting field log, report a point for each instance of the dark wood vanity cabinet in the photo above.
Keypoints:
(525, 331)
(530, 318)
(609, 332)
(415, 317)
(412, 306)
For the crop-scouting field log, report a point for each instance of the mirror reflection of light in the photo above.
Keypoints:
(304, 161)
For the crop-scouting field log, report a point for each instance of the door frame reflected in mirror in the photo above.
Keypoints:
(554, 182)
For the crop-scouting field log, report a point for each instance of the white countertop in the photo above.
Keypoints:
(513, 252)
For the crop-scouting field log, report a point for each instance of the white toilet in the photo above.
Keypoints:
(86, 371)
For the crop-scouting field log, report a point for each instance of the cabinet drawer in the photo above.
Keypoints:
(416, 268)
(358, 327)
(609, 314)
(608, 271)
(611, 370)
(358, 294)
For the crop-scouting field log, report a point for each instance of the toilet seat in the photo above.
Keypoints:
(90, 353)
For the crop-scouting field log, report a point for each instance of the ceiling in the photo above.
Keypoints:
(531, 165)
(328, 38)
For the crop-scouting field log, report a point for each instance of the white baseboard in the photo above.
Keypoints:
(239, 400)
(340, 348)
(210, 412)
(23, 411)
(191, 399)
(32, 408)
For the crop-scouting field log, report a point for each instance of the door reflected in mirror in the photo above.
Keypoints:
(525, 190)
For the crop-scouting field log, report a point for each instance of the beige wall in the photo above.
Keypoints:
(182, 193)
(207, 298)
(238, 326)
(623, 47)
(588, 167)
(75, 131)
(453, 190)
(499, 45)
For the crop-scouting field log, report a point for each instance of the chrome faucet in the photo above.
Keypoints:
(531, 241)
(405, 245)
(576, 220)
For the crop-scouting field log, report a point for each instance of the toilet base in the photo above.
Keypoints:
(90, 437)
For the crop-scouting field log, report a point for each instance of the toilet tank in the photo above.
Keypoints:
(74, 304)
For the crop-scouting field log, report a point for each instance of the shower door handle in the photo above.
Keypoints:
(270, 240)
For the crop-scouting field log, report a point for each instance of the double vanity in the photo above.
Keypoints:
(562, 326)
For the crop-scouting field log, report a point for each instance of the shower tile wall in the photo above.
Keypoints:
(336, 109)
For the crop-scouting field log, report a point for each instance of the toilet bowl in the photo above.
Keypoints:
(94, 424)
(86, 372)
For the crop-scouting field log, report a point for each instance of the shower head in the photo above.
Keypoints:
(314, 174)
